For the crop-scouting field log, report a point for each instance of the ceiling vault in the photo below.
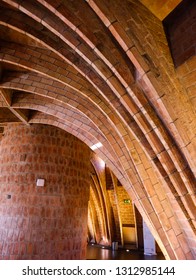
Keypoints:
(106, 76)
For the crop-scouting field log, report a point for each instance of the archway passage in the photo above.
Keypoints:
(106, 76)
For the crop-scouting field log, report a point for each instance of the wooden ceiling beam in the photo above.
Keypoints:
(20, 115)
(7, 97)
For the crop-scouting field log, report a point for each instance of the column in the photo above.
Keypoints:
(44, 193)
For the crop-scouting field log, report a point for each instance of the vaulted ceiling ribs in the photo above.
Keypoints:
(88, 73)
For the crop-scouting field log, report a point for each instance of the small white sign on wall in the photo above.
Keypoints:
(40, 182)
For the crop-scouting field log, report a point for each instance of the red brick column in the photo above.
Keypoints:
(47, 222)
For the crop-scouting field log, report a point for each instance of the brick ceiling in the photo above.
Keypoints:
(159, 8)
(102, 71)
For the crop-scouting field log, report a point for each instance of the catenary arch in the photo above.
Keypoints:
(83, 133)
(110, 20)
(19, 6)
(158, 149)
(63, 127)
(151, 136)
(43, 119)
(29, 80)
(37, 94)
(124, 161)
(99, 204)
(60, 88)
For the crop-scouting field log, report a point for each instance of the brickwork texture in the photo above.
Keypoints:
(48, 222)
(103, 72)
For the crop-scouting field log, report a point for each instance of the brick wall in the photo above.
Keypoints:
(186, 73)
(127, 216)
(116, 235)
(181, 27)
(126, 210)
(47, 222)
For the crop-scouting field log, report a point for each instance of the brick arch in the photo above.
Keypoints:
(74, 33)
(29, 80)
(141, 121)
(96, 198)
(18, 85)
(115, 26)
(150, 135)
(151, 60)
(42, 118)
(160, 233)
(99, 186)
(47, 63)
(101, 155)
(77, 122)
(144, 122)
(27, 100)
(28, 10)
(93, 223)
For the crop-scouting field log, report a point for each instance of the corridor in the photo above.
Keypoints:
(97, 129)
(95, 252)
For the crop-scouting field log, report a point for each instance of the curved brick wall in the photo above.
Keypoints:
(47, 222)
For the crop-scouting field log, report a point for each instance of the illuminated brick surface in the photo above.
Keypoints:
(47, 222)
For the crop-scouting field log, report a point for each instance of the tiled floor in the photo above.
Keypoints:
(98, 253)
